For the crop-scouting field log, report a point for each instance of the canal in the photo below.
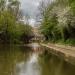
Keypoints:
(32, 60)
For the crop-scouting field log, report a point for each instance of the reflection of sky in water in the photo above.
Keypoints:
(31, 62)
(31, 67)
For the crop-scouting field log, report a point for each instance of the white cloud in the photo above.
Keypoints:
(30, 7)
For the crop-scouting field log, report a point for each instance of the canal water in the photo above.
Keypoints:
(32, 60)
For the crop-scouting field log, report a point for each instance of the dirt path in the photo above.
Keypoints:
(68, 52)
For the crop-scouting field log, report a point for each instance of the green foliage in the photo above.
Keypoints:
(49, 26)
(11, 29)
(58, 21)
(2, 4)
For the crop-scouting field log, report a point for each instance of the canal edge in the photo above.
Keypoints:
(66, 54)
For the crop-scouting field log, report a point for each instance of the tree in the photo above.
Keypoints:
(58, 19)
(2, 5)
(11, 29)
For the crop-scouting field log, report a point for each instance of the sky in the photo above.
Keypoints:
(30, 7)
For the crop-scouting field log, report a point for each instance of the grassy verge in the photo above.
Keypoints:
(70, 42)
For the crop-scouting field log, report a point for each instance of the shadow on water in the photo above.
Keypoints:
(32, 60)
(54, 65)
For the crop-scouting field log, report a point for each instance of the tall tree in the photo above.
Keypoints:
(2, 4)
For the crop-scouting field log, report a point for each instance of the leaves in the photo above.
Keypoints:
(11, 29)
(58, 20)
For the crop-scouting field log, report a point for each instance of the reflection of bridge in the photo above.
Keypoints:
(37, 35)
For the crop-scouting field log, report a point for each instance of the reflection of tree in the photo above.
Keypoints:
(52, 65)
(9, 57)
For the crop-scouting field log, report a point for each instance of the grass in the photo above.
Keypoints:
(70, 42)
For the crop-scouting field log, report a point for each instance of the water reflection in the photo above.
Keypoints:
(9, 56)
(30, 67)
(53, 65)
(33, 60)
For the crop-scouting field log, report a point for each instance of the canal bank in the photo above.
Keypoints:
(66, 52)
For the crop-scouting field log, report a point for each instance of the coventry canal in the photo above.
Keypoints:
(32, 60)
